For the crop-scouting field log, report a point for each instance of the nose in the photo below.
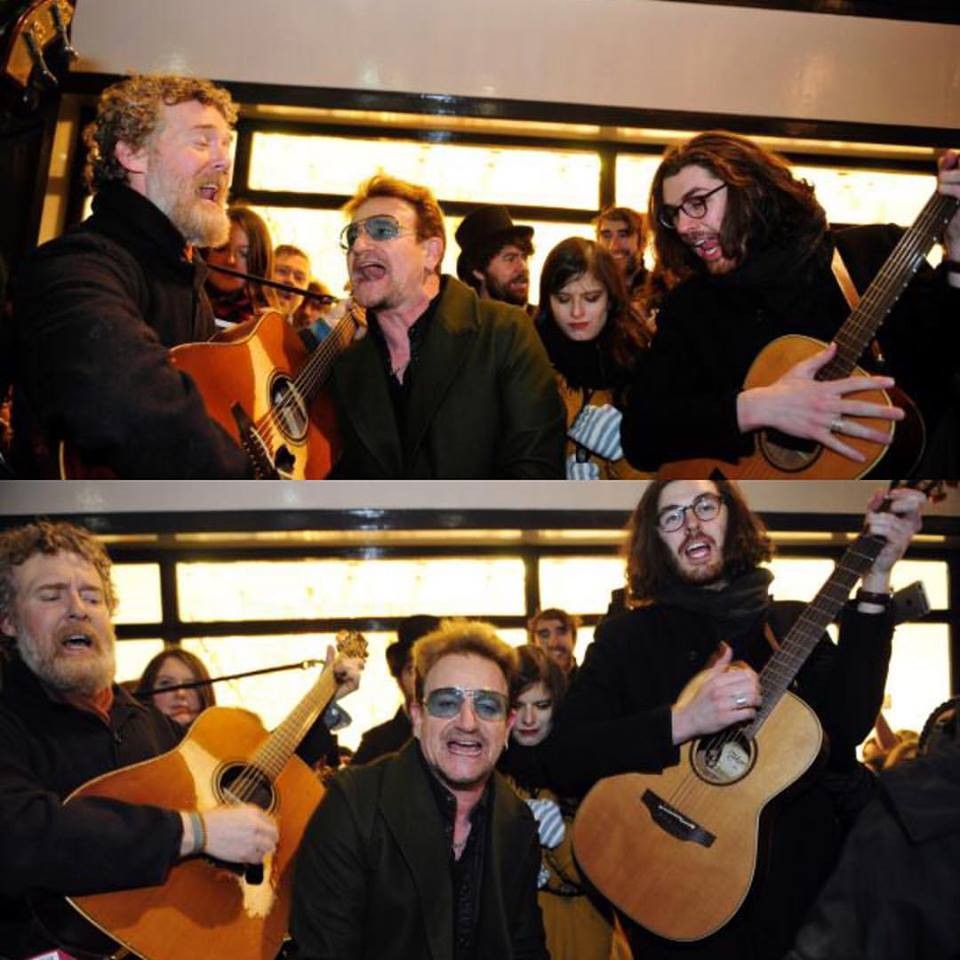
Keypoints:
(76, 606)
(361, 241)
(690, 519)
(467, 718)
(576, 307)
(526, 714)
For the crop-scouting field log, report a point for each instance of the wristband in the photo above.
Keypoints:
(951, 266)
(199, 832)
(880, 599)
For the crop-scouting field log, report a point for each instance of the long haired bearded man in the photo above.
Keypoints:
(96, 310)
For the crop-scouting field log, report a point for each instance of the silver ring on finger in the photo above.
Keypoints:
(838, 425)
(740, 701)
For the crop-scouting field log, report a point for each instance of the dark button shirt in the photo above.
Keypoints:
(466, 874)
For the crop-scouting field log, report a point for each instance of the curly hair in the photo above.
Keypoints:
(747, 543)
(19, 544)
(766, 204)
(129, 111)
(467, 637)
(429, 215)
(624, 335)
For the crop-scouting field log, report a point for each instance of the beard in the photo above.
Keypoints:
(67, 674)
(508, 293)
(201, 223)
(710, 575)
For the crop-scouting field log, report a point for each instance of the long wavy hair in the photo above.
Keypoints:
(649, 568)
(766, 203)
(624, 334)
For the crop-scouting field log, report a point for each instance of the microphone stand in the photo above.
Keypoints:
(300, 665)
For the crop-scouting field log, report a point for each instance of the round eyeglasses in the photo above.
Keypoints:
(695, 207)
(380, 227)
(705, 507)
(445, 702)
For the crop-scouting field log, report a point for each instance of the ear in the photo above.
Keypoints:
(416, 718)
(7, 626)
(433, 246)
(133, 161)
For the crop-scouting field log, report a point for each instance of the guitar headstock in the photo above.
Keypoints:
(41, 28)
(351, 643)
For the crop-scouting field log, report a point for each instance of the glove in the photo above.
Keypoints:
(598, 429)
(550, 823)
(588, 470)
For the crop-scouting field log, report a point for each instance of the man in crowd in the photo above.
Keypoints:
(445, 385)
(755, 259)
(621, 231)
(428, 852)
(555, 632)
(684, 663)
(291, 266)
(494, 255)
(96, 310)
(390, 736)
(63, 721)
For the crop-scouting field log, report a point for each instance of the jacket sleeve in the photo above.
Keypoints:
(330, 883)
(676, 408)
(600, 731)
(94, 372)
(533, 418)
(89, 845)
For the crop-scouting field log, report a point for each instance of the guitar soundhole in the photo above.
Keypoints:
(289, 409)
(724, 757)
(786, 453)
(241, 783)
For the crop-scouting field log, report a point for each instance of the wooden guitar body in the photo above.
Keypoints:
(777, 456)
(676, 852)
(255, 365)
(205, 909)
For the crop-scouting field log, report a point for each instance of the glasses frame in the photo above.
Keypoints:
(465, 693)
(667, 215)
(698, 502)
(346, 244)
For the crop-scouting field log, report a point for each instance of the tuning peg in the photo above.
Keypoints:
(36, 54)
(61, 24)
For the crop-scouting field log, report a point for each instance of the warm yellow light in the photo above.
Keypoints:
(138, 592)
(579, 584)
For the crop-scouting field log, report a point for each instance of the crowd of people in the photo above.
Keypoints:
(450, 833)
(638, 356)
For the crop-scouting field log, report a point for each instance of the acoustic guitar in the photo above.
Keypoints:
(265, 387)
(677, 851)
(778, 456)
(207, 908)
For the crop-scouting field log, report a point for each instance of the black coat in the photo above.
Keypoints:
(94, 314)
(616, 719)
(682, 403)
(47, 750)
(373, 871)
(387, 737)
(483, 404)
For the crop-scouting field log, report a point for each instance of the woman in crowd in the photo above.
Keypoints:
(595, 340)
(249, 250)
(168, 669)
(577, 927)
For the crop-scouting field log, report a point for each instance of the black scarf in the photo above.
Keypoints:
(581, 363)
(736, 608)
(525, 765)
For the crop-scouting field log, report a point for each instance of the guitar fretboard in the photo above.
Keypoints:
(878, 300)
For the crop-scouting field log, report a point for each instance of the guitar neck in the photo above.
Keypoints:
(317, 368)
(273, 754)
(805, 634)
(861, 326)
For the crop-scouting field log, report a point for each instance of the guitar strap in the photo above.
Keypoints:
(851, 295)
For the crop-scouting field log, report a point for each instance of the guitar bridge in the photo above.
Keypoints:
(670, 819)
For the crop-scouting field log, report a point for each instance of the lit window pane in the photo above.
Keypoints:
(317, 233)
(919, 677)
(265, 590)
(543, 178)
(579, 584)
(868, 196)
(133, 657)
(634, 175)
(798, 578)
(935, 576)
(138, 592)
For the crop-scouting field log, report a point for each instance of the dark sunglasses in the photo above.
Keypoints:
(445, 702)
(378, 228)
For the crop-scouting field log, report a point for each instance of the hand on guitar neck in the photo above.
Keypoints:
(801, 406)
(723, 694)
(897, 524)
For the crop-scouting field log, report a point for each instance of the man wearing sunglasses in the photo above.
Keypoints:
(446, 385)
(428, 852)
(684, 662)
(755, 256)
